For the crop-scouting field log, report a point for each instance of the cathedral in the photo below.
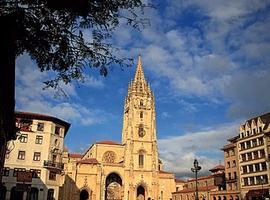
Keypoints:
(130, 170)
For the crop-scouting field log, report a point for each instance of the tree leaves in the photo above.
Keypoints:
(53, 33)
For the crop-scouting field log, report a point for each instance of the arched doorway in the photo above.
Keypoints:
(84, 195)
(113, 187)
(140, 193)
(16, 195)
(33, 194)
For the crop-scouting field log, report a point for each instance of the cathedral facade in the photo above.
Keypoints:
(130, 170)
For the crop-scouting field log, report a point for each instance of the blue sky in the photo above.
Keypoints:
(207, 63)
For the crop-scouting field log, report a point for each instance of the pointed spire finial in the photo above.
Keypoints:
(139, 75)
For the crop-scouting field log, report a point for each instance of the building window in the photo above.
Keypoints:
(141, 115)
(242, 135)
(23, 138)
(255, 155)
(260, 129)
(248, 144)
(245, 181)
(141, 102)
(248, 133)
(21, 155)
(228, 164)
(260, 141)
(265, 179)
(244, 169)
(262, 153)
(254, 131)
(40, 127)
(39, 139)
(243, 157)
(232, 152)
(5, 171)
(141, 160)
(250, 168)
(52, 175)
(254, 143)
(233, 163)
(249, 155)
(235, 175)
(57, 130)
(242, 145)
(251, 181)
(263, 166)
(36, 156)
(35, 173)
(257, 167)
(25, 124)
(16, 170)
(229, 176)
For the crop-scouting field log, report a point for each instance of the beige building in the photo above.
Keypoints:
(208, 186)
(231, 161)
(129, 170)
(253, 148)
(34, 161)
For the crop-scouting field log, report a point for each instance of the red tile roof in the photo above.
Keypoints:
(201, 178)
(29, 115)
(187, 190)
(75, 155)
(180, 181)
(218, 167)
(88, 161)
(108, 142)
(228, 146)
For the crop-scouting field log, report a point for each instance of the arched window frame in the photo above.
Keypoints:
(141, 158)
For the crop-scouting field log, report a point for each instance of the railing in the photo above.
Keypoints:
(53, 165)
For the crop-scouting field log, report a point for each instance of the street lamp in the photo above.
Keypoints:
(196, 169)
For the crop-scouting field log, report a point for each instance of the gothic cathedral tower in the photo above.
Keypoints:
(139, 135)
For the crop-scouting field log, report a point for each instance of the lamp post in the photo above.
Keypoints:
(196, 169)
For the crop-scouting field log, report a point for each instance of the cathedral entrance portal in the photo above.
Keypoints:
(113, 187)
(140, 193)
(84, 195)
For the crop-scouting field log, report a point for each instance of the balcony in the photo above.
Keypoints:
(57, 166)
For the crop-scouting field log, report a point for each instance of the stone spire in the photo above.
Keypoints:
(139, 75)
(139, 84)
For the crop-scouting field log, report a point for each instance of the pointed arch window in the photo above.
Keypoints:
(141, 102)
(141, 158)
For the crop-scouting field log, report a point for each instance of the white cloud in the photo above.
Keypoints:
(179, 152)
(93, 82)
(32, 98)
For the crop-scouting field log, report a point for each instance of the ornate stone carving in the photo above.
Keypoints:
(109, 157)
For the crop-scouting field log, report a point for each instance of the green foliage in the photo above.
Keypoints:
(52, 33)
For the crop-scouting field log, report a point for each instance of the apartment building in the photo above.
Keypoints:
(231, 169)
(253, 148)
(208, 186)
(33, 163)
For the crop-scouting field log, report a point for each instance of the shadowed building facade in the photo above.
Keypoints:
(33, 164)
(129, 170)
